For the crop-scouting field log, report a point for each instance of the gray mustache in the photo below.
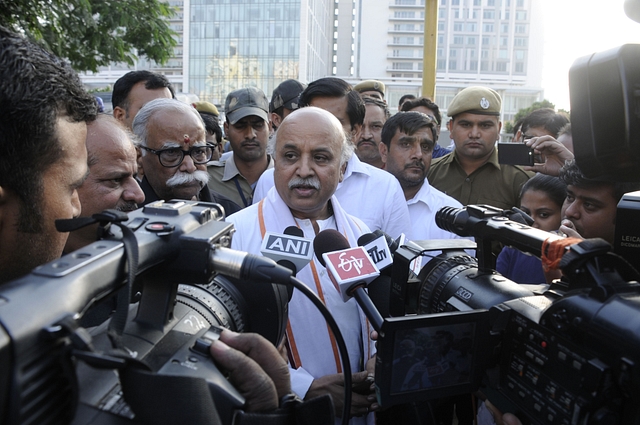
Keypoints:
(180, 178)
(313, 182)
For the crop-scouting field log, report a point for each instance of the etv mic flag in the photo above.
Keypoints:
(350, 267)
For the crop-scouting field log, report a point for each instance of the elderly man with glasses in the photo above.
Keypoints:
(174, 154)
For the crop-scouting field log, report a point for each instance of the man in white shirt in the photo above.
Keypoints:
(311, 150)
(367, 192)
(408, 139)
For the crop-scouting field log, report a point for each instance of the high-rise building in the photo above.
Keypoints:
(242, 43)
(495, 43)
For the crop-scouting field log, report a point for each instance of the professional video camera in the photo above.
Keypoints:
(186, 279)
(567, 355)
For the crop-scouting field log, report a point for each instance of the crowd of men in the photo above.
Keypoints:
(320, 156)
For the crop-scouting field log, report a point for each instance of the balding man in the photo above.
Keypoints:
(111, 182)
(311, 150)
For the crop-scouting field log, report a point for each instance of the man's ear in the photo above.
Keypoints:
(119, 113)
(518, 135)
(225, 127)
(449, 124)
(382, 148)
(343, 169)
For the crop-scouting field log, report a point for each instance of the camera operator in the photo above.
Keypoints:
(44, 111)
(589, 211)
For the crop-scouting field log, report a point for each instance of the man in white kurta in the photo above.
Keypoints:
(310, 153)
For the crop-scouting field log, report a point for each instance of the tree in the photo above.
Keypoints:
(508, 126)
(94, 33)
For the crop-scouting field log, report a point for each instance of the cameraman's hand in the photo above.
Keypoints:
(334, 386)
(255, 368)
(499, 418)
(568, 229)
(555, 154)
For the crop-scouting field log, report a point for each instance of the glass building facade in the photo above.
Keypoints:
(236, 43)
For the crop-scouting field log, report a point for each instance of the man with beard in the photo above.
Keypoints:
(310, 152)
(247, 128)
(367, 145)
(175, 154)
(471, 173)
(408, 139)
(111, 182)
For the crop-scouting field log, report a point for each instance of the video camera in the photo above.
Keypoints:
(565, 355)
(188, 283)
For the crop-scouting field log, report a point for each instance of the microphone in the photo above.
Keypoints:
(245, 266)
(291, 249)
(377, 248)
(350, 269)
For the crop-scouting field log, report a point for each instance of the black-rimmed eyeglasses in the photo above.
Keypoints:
(173, 157)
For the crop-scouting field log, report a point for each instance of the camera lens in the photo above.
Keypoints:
(218, 302)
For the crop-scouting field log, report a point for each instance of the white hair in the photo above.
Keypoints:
(141, 121)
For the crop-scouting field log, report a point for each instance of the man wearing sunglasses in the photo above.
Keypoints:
(175, 153)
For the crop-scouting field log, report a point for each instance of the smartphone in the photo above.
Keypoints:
(515, 154)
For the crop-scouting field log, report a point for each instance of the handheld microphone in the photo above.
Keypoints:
(377, 248)
(350, 269)
(379, 290)
(291, 249)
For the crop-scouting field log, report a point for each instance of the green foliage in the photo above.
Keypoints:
(508, 126)
(94, 33)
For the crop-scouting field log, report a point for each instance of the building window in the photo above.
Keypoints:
(402, 65)
(440, 26)
(477, 2)
(473, 65)
(519, 54)
(504, 41)
(471, 26)
(521, 29)
(441, 63)
(487, 27)
(501, 67)
(452, 52)
(484, 66)
(489, 14)
(457, 26)
(519, 68)
(521, 15)
(404, 15)
(455, 2)
(491, 2)
(503, 54)
(520, 3)
(471, 40)
(458, 39)
(504, 28)
(520, 41)
(452, 65)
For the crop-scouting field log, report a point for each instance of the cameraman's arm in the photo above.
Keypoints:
(255, 368)
(333, 385)
(555, 154)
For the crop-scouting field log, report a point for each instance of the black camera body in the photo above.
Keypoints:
(182, 299)
(567, 355)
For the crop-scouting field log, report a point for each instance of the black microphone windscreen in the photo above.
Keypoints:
(328, 240)
(391, 243)
(294, 231)
(366, 238)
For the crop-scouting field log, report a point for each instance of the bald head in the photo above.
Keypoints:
(310, 151)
